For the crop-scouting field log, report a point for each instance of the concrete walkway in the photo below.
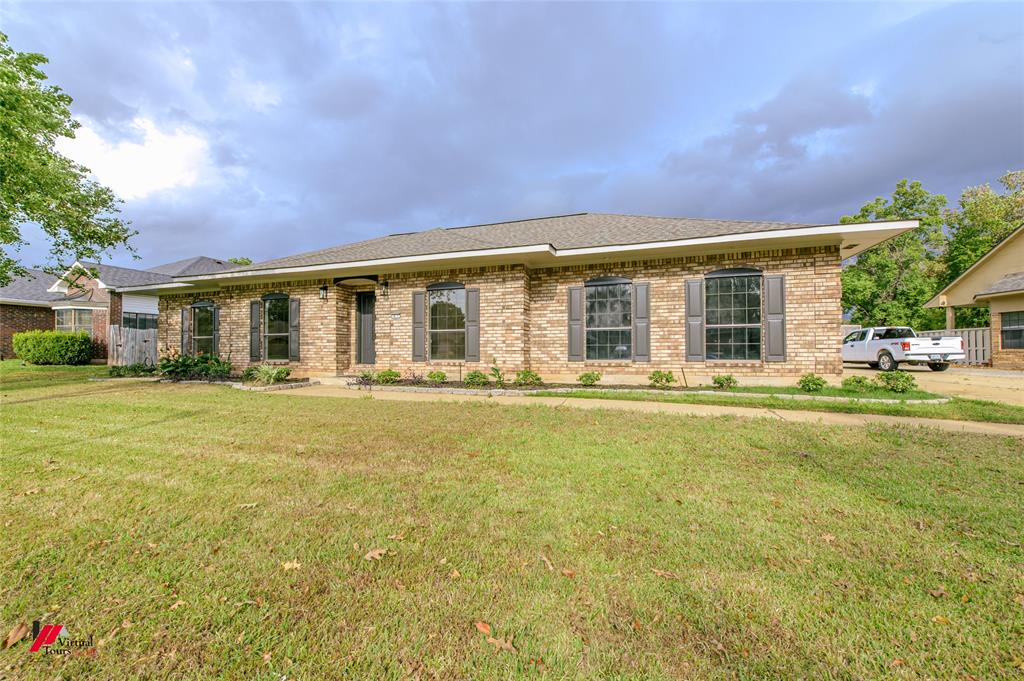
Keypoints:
(976, 383)
(829, 418)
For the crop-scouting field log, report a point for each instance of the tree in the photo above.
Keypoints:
(39, 185)
(241, 261)
(983, 220)
(889, 284)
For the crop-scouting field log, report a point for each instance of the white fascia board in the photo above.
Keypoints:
(986, 296)
(150, 287)
(25, 303)
(61, 285)
(71, 306)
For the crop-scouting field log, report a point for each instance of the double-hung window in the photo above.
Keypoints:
(733, 315)
(276, 327)
(609, 319)
(446, 303)
(203, 329)
(74, 320)
(1012, 331)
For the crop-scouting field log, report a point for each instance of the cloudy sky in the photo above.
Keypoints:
(270, 129)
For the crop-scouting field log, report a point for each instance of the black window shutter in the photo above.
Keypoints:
(186, 318)
(775, 318)
(642, 322)
(472, 325)
(254, 331)
(419, 338)
(293, 329)
(216, 331)
(575, 323)
(694, 320)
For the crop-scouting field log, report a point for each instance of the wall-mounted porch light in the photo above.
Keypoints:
(323, 292)
(385, 289)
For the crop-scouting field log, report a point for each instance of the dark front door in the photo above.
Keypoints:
(365, 303)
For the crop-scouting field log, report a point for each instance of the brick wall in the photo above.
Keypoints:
(523, 318)
(1005, 358)
(18, 318)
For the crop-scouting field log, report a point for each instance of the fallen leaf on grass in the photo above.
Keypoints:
(252, 505)
(665, 574)
(483, 628)
(828, 538)
(1019, 600)
(266, 657)
(898, 662)
(399, 536)
(566, 572)
(19, 632)
(938, 593)
(454, 574)
(547, 562)
(939, 619)
(375, 554)
(501, 644)
(177, 605)
(291, 565)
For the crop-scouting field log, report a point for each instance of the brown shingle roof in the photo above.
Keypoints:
(580, 230)
(1008, 284)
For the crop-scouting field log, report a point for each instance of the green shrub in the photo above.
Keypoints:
(527, 377)
(476, 379)
(589, 378)
(661, 379)
(266, 374)
(725, 381)
(366, 378)
(178, 367)
(896, 381)
(131, 370)
(53, 347)
(437, 377)
(811, 383)
(857, 384)
(499, 377)
(388, 377)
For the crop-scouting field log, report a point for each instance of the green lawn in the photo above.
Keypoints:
(957, 409)
(200, 532)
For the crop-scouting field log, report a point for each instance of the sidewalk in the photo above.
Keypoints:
(828, 418)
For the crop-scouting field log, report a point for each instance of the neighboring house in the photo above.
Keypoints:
(619, 294)
(996, 280)
(78, 301)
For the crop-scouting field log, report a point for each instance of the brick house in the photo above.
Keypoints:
(995, 281)
(84, 299)
(623, 295)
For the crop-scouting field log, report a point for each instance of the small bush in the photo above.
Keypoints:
(896, 381)
(498, 376)
(179, 367)
(661, 379)
(388, 377)
(131, 370)
(437, 377)
(811, 383)
(527, 377)
(857, 384)
(414, 378)
(476, 379)
(266, 374)
(366, 378)
(724, 382)
(53, 347)
(589, 378)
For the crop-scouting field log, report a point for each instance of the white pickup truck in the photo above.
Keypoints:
(886, 347)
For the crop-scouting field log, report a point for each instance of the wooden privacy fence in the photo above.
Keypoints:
(977, 343)
(131, 346)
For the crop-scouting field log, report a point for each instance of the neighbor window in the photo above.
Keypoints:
(202, 329)
(733, 315)
(74, 320)
(609, 321)
(447, 306)
(138, 320)
(1012, 330)
(276, 329)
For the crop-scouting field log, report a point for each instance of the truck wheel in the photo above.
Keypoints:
(938, 366)
(886, 362)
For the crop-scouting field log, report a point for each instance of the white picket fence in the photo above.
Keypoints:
(131, 346)
(977, 343)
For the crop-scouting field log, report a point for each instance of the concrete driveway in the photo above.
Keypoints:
(975, 383)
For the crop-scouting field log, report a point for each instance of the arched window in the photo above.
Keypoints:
(275, 329)
(204, 328)
(446, 303)
(609, 320)
(733, 314)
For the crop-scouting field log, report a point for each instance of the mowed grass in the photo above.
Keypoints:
(161, 518)
(957, 409)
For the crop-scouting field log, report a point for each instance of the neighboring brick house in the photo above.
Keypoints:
(996, 281)
(623, 295)
(83, 299)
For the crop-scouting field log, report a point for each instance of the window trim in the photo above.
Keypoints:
(430, 330)
(265, 322)
(598, 282)
(76, 326)
(736, 273)
(1017, 327)
(193, 308)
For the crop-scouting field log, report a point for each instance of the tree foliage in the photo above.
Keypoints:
(39, 185)
(241, 260)
(889, 284)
